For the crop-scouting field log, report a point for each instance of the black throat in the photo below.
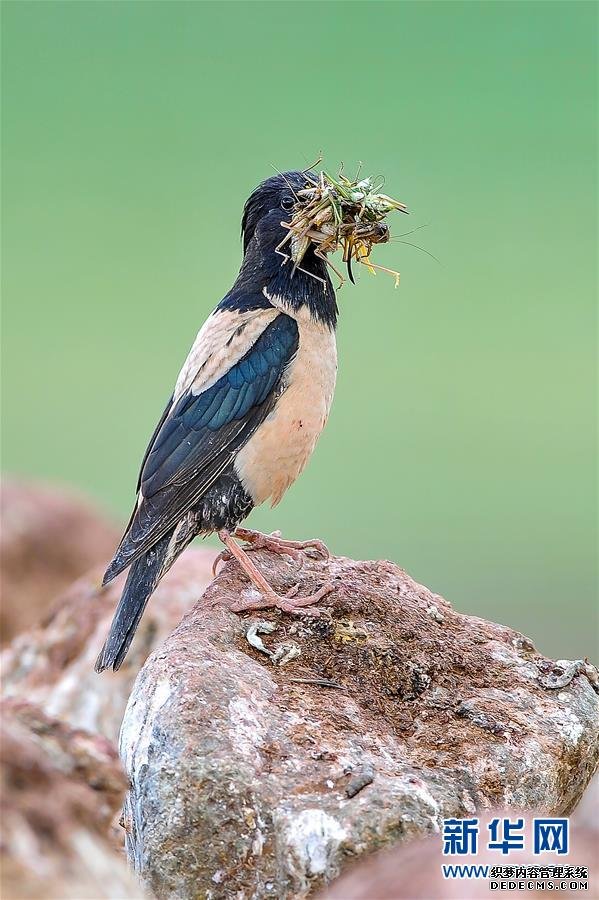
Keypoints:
(307, 285)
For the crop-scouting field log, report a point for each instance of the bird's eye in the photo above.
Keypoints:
(287, 203)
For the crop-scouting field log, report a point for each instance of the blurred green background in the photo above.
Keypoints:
(462, 438)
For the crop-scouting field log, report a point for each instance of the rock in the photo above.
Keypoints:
(53, 666)
(414, 872)
(261, 774)
(49, 538)
(61, 791)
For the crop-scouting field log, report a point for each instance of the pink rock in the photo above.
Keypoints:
(263, 762)
(61, 791)
(50, 536)
(53, 665)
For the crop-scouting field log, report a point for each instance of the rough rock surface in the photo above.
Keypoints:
(53, 665)
(49, 537)
(414, 872)
(251, 778)
(61, 791)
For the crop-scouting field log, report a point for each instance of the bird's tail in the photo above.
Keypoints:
(142, 580)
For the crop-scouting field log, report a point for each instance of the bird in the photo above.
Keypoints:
(245, 414)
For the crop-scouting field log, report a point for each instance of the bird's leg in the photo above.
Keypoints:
(272, 542)
(269, 598)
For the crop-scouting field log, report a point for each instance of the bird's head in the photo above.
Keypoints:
(269, 205)
(270, 265)
(293, 220)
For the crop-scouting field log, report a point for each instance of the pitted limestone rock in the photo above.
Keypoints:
(255, 780)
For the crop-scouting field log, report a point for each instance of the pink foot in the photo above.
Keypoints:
(274, 543)
(300, 606)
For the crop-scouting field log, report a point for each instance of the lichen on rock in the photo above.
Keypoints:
(254, 779)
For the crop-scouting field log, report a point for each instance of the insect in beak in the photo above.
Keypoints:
(334, 214)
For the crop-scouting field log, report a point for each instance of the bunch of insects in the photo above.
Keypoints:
(339, 214)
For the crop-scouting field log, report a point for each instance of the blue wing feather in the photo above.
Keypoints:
(246, 385)
(200, 433)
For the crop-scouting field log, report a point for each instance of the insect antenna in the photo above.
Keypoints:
(416, 247)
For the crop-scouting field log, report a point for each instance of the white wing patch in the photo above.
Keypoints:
(224, 338)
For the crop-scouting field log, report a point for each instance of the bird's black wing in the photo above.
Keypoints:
(155, 434)
(199, 435)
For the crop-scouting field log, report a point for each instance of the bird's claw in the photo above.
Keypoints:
(223, 556)
(274, 543)
(302, 606)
